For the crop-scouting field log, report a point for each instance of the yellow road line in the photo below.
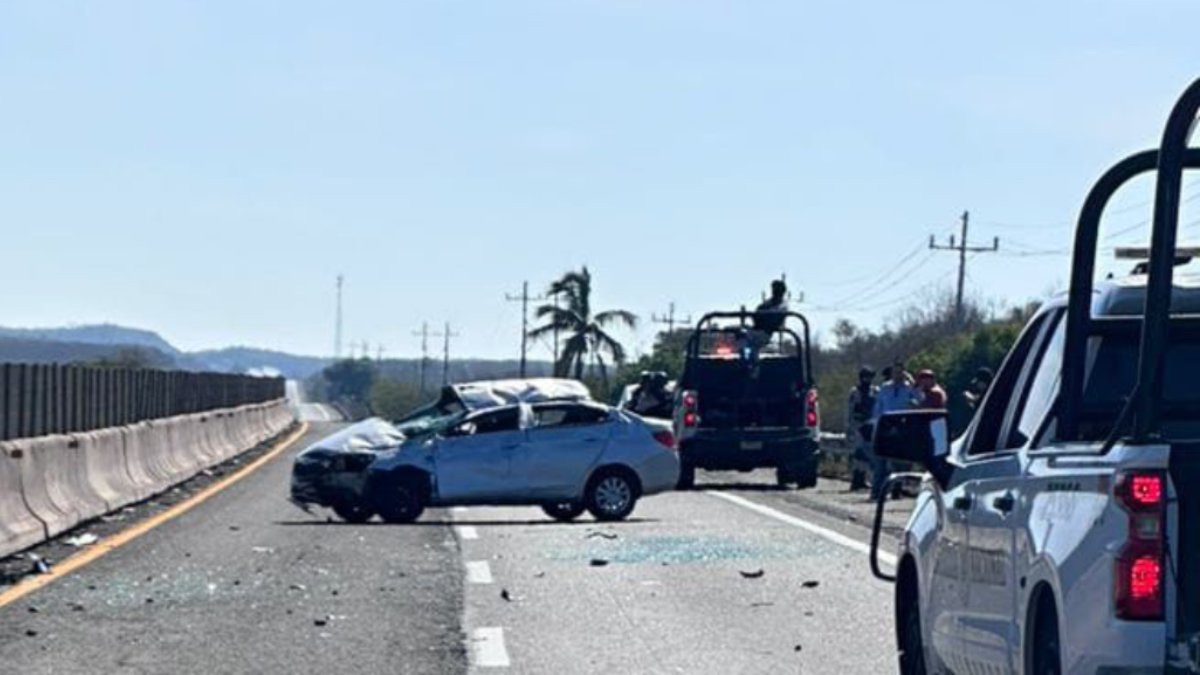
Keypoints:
(116, 541)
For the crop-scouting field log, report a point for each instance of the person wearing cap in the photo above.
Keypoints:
(859, 409)
(895, 395)
(930, 394)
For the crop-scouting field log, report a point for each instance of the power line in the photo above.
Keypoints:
(424, 335)
(337, 325)
(669, 319)
(446, 335)
(962, 248)
(524, 299)
(866, 295)
(883, 278)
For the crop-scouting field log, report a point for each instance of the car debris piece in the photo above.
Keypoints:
(297, 587)
(33, 609)
(234, 528)
(756, 574)
(810, 584)
(603, 535)
(262, 549)
(504, 595)
(40, 565)
(320, 622)
(76, 607)
(31, 633)
(598, 562)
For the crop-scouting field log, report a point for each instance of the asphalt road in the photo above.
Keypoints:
(736, 577)
(239, 585)
(713, 581)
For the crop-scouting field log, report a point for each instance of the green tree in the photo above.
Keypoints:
(349, 380)
(586, 331)
(132, 358)
(392, 398)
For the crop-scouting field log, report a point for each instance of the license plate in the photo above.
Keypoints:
(752, 445)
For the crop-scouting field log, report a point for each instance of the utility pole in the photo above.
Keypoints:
(424, 335)
(963, 248)
(446, 353)
(669, 319)
(337, 329)
(524, 299)
(379, 350)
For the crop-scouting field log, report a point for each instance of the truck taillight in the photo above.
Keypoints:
(691, 403)
(812, 409)
(1140, 571)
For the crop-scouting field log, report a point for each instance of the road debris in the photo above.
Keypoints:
(756, 574)
(40, 565)
(320, 622)
(812, 583)
(33, 610)
(297, 587)
(31, 633)
(262, 549)
(598, 562)
(602, 535)
(504, 595)
(234, 528)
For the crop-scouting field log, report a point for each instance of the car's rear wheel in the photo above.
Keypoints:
(353, 512)
(564, 512)
(400, 501)
(611, 495)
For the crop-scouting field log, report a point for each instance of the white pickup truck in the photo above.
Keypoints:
(1061, 533)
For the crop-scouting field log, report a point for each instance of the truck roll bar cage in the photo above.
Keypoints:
(745, 319)
(1174, 155)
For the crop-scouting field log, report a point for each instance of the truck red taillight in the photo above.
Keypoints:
(1140, 568)
(812, 409)
(691, 404)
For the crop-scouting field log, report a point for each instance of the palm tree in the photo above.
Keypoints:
(586, 332)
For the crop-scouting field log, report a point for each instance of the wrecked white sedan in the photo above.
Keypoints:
(566, 457)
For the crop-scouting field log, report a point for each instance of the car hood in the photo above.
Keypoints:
(371, 436)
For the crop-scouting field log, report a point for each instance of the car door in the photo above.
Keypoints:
(993, 488)
(953, 625)
(478, 460)
(565, 441)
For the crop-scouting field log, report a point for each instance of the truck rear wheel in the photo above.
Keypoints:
(784, 476)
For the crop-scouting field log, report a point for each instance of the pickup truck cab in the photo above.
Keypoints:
(1061, 532)
(746, 399)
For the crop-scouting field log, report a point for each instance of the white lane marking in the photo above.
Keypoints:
(478, 572)
(459, 509)
(835, 537)
(489, 648)
(467, 532)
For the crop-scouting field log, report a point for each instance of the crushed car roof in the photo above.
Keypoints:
(492, 393)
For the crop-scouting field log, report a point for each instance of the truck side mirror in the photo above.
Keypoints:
(919, 436)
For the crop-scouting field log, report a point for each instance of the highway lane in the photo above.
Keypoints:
(247, 583)
(306, 411)
(679, 589)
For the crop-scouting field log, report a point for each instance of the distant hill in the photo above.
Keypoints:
(99, 334)
(244, 359)
(24, 350)
(82, 344)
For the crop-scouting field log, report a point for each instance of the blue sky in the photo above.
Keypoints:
(205, 169)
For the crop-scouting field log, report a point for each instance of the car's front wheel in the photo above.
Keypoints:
(353, 512)
(912, 646)
(611, 495)
(564, 512)
(399, 501)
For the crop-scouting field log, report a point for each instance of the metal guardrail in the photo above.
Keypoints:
(39, 399)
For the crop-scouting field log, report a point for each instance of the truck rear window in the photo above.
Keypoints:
(1112, 377)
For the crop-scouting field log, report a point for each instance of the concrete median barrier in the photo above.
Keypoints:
(54, 482)
(19, 528)
(50, 484)
(105, 467)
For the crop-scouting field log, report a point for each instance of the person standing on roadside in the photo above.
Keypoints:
(978, 387)
(859, 409)
(897, 394)
(931, 396)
